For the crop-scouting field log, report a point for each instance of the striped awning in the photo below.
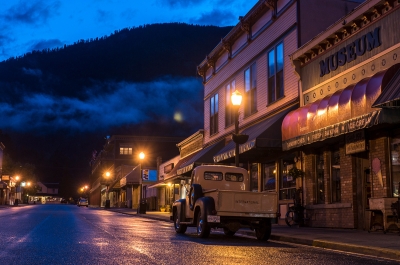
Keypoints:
(344, 111)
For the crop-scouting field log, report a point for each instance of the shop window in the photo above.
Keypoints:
(395, 156)
(287, 184)
(320, 178)
(125, 150)
(275, 74)
(250, 88)
(214, 114)
(229, 110)
(254, 177)
(335, 185)
(269, 176)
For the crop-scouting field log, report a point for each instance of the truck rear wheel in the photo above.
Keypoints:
(203, 229)
(263, 232)
(179, 228)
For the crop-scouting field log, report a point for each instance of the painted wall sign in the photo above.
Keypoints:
(366, 42)
(355, 142)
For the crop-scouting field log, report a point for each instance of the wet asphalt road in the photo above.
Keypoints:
(67, 234)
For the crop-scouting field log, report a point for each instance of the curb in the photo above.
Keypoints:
(356, 249)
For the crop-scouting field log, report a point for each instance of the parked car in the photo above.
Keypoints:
(83, 202)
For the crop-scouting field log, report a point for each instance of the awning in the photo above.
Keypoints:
(342, 112)
(182, 166)
(204, 156)
(390, 96)
(265, 134)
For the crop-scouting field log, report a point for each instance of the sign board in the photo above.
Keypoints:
(168, 168)
(5, 177)
(355, 142)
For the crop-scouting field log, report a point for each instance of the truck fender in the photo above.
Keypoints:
(206, 205)
(179, 207)
(195, 193)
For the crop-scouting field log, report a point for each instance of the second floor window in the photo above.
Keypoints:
(275, 73)
(250, 89)
(229, 110)
(214, 114)
(125, 150)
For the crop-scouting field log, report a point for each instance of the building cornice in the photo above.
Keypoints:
(361, 17)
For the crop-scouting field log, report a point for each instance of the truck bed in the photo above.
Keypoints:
(243, 202)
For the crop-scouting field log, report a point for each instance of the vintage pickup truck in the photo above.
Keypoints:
(219, 197)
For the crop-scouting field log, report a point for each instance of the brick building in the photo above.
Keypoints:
(347, 129)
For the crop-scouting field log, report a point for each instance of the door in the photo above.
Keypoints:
(363, 190)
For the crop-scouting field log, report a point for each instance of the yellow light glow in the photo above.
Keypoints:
(178, 117)
(86, 186)
(17, 178)
(236, 98)
(108, 174)
(29, 183)
(169, 184)
(321, 112)
(141, 155)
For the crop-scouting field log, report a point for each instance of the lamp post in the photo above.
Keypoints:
(236, 99)
(16, 190)
(141, 157)
(107, 183)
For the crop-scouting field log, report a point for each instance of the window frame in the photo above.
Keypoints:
(127, 148)
(220, 175)
(229, 110)
(250, 89)
(214, 109)
(275, 76)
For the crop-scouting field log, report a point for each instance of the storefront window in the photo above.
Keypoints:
(254, 177)
(320, 178)
(287, 184)
(269, 171)
(335, 186)
(395, 156)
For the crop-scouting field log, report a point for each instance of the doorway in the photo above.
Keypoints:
(364, 190)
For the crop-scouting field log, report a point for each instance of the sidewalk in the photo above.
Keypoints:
(375, 244)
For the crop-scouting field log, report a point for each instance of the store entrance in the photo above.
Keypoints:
(364, 190)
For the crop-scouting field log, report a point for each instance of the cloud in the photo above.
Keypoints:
(45, 44)
(127, 103)
(31, 12)
(34, 72)
(216, 17)
(182, 3)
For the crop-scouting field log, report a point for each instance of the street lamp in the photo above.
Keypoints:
(236, 100)
(141, 157)
(16, 191)
(108, 174)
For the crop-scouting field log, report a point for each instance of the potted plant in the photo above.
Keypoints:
(295, 172)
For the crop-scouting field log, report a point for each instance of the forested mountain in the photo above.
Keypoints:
(132, 54)
(57, 105)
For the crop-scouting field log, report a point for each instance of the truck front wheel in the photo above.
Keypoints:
(203, 229)
(179, 228)
(263, 232)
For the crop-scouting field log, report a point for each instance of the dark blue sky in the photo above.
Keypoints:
(27, 25)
